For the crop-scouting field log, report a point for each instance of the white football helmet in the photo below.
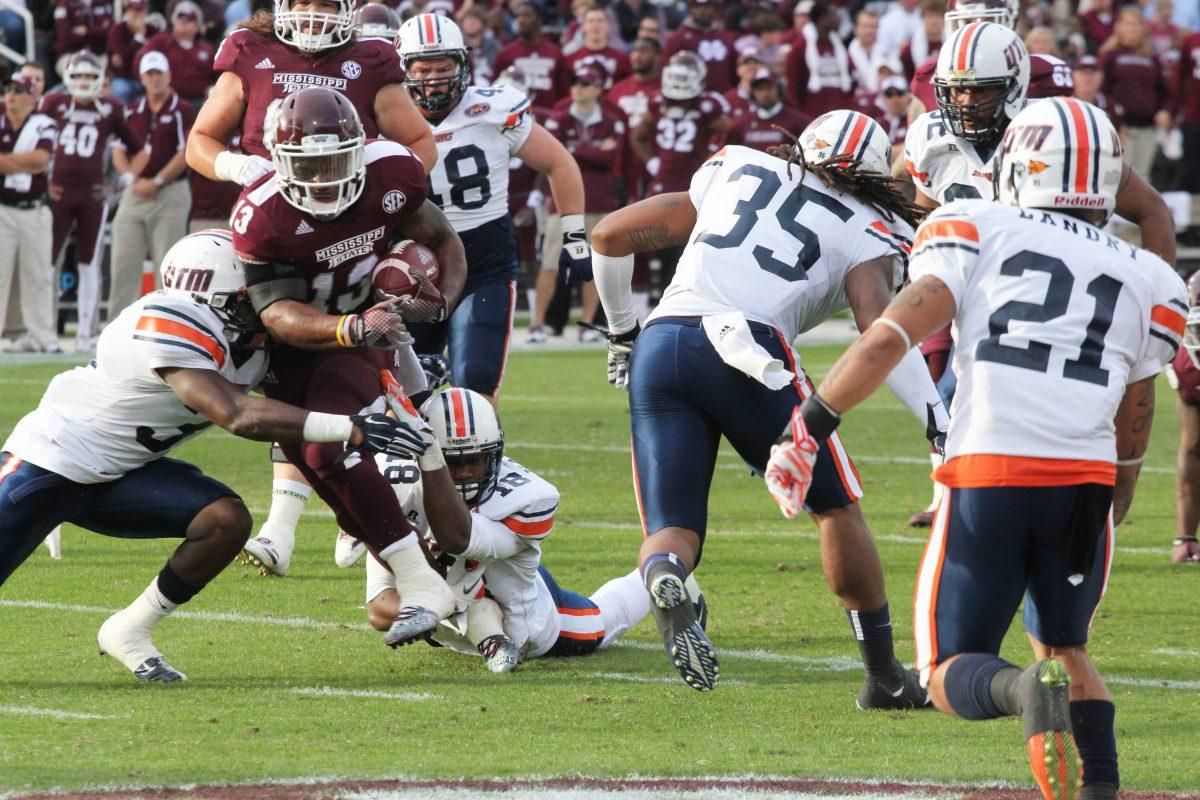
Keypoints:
(841, 132)
(313, 31)
(983, 57)
(84, 76)
(960, 13)
(377, 21)
(434, 36)
(202, 267)
(1060, 154)
(318, 146)
(467, 428)
(515, 77)
(683, 78)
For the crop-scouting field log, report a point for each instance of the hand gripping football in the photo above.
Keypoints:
(396, 274)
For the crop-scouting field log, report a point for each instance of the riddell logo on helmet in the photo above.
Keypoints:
(1079, 202)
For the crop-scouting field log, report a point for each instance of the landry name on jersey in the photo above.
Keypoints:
(943, 166)
(99, 422)
(773, 245)
(1059, 317)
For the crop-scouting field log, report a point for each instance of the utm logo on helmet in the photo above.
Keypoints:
(318, 149)
(202, 268)
(1060, 154)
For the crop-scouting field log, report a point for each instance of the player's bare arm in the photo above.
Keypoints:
(34, 162)
(1138, 202)
(869, 290)
(429, 226)
(665, 220)
(216, 122)
(546, 155)
(1134, 417)
(400, 121)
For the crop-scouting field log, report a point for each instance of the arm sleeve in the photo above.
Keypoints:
(914, 156)
(491, 540)
(912, 385)
(704, 178)
(271, 282)
(518, 122)
(1168, 318)
(124, 134)
(614, 279)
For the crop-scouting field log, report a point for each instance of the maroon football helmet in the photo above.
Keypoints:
(317, 144)
(960, 13)
(1050, 77)
(84, 75)
(377, 21)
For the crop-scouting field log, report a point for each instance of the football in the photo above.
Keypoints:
(395, 274)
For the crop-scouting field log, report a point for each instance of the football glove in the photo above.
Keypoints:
(241, 169)
(382, 434)
(575, 261)
(379, 326)
(620, 345)
(403, 409)
(790, 469)
(427, 305)
(936, 437)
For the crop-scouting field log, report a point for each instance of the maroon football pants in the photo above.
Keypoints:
(340, 382)
(79, 208)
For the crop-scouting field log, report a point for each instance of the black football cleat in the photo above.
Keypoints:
(902, 693)
(157, 670)
(686, 643)
(1046, 717)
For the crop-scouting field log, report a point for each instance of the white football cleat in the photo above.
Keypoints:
(130, 644)
(347, 550)
(54, 542)
(268, 555)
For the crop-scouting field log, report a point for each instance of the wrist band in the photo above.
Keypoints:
(1130, 462)
(891, 323)
(320, 427)
(338, 332)
(820, 419)
(432, 459)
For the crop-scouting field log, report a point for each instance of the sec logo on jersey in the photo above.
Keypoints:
(351, 69)
(477, 109)
(393, 201)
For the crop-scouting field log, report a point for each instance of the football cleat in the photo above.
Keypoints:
(698, 601)
(411, 624)
(905, 693)
(266, 555)
(1046, 716)
(130, 644)
(347, 550)
(687, 645)
(500, 653)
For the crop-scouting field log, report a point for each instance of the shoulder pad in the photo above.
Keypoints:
(176, 322)
(376, 149)
(503, 106)
(521, 495)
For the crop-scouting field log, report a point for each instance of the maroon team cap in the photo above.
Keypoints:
(19, 81)
(187, 10)
(764, 75)
(750, 54)
(1087, 62)
(589, 75)
(136, 5)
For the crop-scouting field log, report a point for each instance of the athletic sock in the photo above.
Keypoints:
(873, 632)
(416, 581)
(288, 499)
(979, 686)
(1092, 723)
(164, 594)
(658, 562)
(623, 602)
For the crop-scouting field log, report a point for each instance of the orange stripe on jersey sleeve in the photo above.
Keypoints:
(172, 328)
(923, 177)
(521, 528)
(879, 226)
(1168, 318)
(948, 228)
(581, 636)
(579, 612)
(985, 470)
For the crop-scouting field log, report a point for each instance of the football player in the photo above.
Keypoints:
(498, 550)
(93, 452)
(1068, 328)
(774, 246)
(1184, 375)
(311, 233)
(477, 132)
(86, 120)
(376, 21)
(981, 83)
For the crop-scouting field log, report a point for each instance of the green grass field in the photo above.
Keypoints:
(256, 705)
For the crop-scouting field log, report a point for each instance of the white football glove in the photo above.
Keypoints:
(790, 469)
(403, 410)
(240, 169)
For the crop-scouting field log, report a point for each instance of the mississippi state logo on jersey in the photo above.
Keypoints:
(943, 166)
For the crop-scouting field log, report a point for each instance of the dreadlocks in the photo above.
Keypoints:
(841, 172)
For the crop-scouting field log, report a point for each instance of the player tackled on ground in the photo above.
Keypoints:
(773, 249)
(1061, 330)
(92, 454)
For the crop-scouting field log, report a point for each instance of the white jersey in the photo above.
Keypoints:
(771, 248)
(1054, 319)
(505, 551)
(475, 143)
(944, 167)
(97, 423)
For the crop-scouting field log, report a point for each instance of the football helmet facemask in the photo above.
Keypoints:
(683, 78)
(313, 31)
(84, 76)
(202, 267)
(377, 21)
(317, 145)
(429, 36)
(469, 433)
(960, 13)
(987, 59)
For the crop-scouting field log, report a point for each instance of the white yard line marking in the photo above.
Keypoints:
(33, 711)
(632, 793)
(205, 616)
(832, 664)
(1152, 683)
(1171, 651)
(329, 691)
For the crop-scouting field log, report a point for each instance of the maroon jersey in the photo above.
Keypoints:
(715, 46)
(1187, 78)
(632, 96)
(24, 187)
(583, 138)
(614, 63)
(739, 103)
(337, 256)
(683, 138)
(95, 16)
(1048, 77)
(163, 132)
(123, 45)
(756, 128)
(1188, 375)
(1135, 82)
(191, 67)
(827, 98)
(83, 135)
(873, 107)
(269, 69)
(543, 65)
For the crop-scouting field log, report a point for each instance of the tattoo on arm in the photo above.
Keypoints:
(1141, 423)
(915, 295)
(653, 237)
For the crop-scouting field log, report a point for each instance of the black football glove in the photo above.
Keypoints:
(936, 437)
(382, 434)
(575, 260)
(620, 345)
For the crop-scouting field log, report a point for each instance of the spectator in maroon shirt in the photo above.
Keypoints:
(1165, 35)
(927, 41)
(800, 18)
(1188, 92)
(700, 34)
(748, 64)
(596, 49)
(1097, 24)
(1087, 79)
(537, 57)
(125, 38)
(80, 25)
(190, 56)
(759, 128)
(818, 71)
(1133, 77)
